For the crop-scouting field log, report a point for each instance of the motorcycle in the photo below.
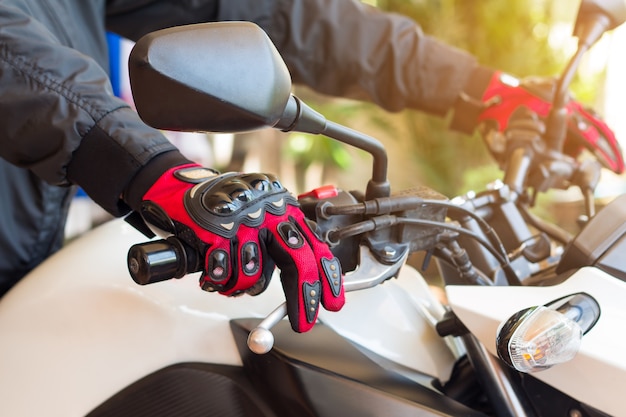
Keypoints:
(529, 328)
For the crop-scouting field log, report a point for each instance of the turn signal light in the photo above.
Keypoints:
(539, 337)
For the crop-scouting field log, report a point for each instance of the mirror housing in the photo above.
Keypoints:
(229, 77)
(179, 80)
(598, 16)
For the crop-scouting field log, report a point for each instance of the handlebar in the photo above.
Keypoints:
(164, 259)
(161, 260)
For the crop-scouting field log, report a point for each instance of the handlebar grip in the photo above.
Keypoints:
(161, 260)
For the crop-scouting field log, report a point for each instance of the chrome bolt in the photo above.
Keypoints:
(389, 252)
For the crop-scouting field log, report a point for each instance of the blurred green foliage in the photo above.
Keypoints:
(505, 35)
(508, 35)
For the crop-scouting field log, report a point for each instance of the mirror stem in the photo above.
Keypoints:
(556, 128)
(299, 117)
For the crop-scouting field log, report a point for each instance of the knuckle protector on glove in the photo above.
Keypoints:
(218, 265)
(290, 235)
(250, 260)
(222, 204)
(332, 273)
(311, 295)
(313, 228)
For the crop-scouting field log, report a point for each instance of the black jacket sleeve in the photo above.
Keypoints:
(59, 118)
(337, 47)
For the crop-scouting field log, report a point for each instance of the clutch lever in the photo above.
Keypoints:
(369, 273)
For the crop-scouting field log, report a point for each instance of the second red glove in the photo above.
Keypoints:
(495, 96)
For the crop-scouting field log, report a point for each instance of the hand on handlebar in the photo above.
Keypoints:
(244, 225)
(493, 105)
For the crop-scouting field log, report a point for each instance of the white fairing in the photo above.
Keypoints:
(597, 375)
(78, 329)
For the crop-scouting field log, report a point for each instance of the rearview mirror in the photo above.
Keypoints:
(229, 77)
(610, 13)
(213, 77)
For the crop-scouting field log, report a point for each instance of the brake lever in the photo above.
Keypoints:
(369, 274)
(260, 339)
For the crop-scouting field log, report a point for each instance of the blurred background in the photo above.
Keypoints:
(522, 37)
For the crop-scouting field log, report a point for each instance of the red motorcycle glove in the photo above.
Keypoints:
(495, 96)
(244, 225)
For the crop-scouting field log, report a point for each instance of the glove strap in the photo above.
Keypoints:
(469, 103)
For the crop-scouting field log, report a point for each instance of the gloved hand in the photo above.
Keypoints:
(244, 224)
(495, 98)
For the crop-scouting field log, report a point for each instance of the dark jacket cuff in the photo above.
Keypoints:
(112, 153)
(148, 175)
(469, 104)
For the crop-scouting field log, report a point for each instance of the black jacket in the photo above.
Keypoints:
(60, 124)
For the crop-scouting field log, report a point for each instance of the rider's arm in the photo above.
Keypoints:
(337, 47)
(59, 118)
